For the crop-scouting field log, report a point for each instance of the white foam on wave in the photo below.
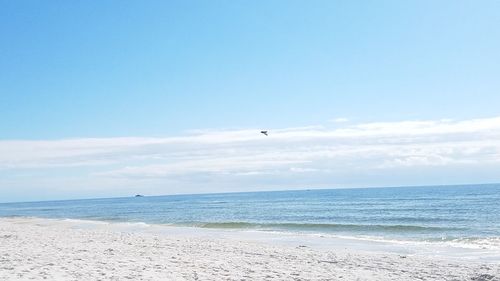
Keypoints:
(473, 249)
(490, 243)
(81, 221)
(487, 243)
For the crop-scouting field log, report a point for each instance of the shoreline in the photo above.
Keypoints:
(448, 250)
(75, 249)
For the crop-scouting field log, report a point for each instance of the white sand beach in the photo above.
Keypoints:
(41, 249)
(38, 249)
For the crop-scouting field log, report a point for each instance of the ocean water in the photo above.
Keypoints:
(466, 214)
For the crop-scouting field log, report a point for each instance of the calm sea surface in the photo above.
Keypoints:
(410, 213)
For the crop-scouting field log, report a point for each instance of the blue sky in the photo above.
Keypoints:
(102, 70)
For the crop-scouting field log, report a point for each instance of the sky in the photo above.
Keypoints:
(115, 98)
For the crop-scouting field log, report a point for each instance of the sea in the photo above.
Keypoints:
(465, 214)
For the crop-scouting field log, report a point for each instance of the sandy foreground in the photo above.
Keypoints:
(37, 249)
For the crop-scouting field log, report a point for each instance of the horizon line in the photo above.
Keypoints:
(256, 191)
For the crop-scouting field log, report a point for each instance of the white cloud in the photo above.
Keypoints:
(245, 157)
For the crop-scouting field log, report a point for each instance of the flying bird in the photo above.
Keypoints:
(263, 132)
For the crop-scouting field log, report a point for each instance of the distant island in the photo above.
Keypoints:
(139, 195)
